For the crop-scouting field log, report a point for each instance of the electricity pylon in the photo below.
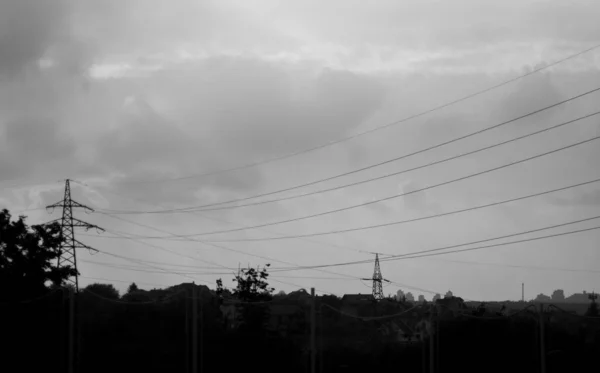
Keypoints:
(67, 250)
(377, 279)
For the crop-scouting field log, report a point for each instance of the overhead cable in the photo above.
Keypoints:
(347, 138)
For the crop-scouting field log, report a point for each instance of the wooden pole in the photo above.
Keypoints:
(194, 330)
(71, 366)
(542, 341)
(432, 344)
(187, 333)
(313, 345)
(322, 359)
(201, 332)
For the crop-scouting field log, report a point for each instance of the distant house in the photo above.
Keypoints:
(405, 335)
(353, 304)
(229, 312)
(284, 318)
(451, 306)
(423, 329)
(287, 318)
(354, 298)
(578, 298)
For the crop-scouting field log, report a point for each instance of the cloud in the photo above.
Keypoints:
(116, 93)
(583, 199)
(33, 144)
(27, 29)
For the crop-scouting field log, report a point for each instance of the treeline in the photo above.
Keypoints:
(47, 327)
(152, 332)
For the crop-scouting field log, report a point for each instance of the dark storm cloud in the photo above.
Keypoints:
(229, 111)
(27, 29)
(33, 144)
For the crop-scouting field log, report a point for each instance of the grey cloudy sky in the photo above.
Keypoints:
(118, 93)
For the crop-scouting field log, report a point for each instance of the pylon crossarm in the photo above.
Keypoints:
(52, 221)
(81, 224)
(80, 245)
(57, 204)
(77, 204)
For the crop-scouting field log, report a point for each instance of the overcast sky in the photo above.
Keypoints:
(121, 93)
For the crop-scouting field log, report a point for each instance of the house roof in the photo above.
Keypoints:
(284, 309)
(357, 297)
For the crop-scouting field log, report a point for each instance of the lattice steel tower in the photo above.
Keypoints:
(67, 251)
(377, 280)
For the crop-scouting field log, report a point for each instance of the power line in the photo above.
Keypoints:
(142, 269)
(426, 252)
(522, 266)
(218, 246)
(381, 200)
(496, 245)
(344, 139)
(122, 281)
(228, 222)
(162, 270)
(230, 249)
(151, 266)
(212, 206)
(398, 256)
(166, 250)
(164, 264)
(25, 185)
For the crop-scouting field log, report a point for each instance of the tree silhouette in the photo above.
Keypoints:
(27, 258)
(436, 297)
(422, 299)
(251, 287)
(410, 297)
(132, 288)
(592, 310)
(102, 290)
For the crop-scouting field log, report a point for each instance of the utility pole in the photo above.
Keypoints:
(66, 252)
(542, 341)
(201, 332)
(432, 343)
(187, 334)
(322, 359)
(71, 364)
(194, 330)
(313, 344)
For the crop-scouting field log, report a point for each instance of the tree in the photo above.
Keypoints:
(251, 287)
(102, 290)
(449, 294)
(132, 288)
(27, 258)
(558, 295)
(400, 296)
(436, 297)
(422, 299)
(410, 297)
(592, 310)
